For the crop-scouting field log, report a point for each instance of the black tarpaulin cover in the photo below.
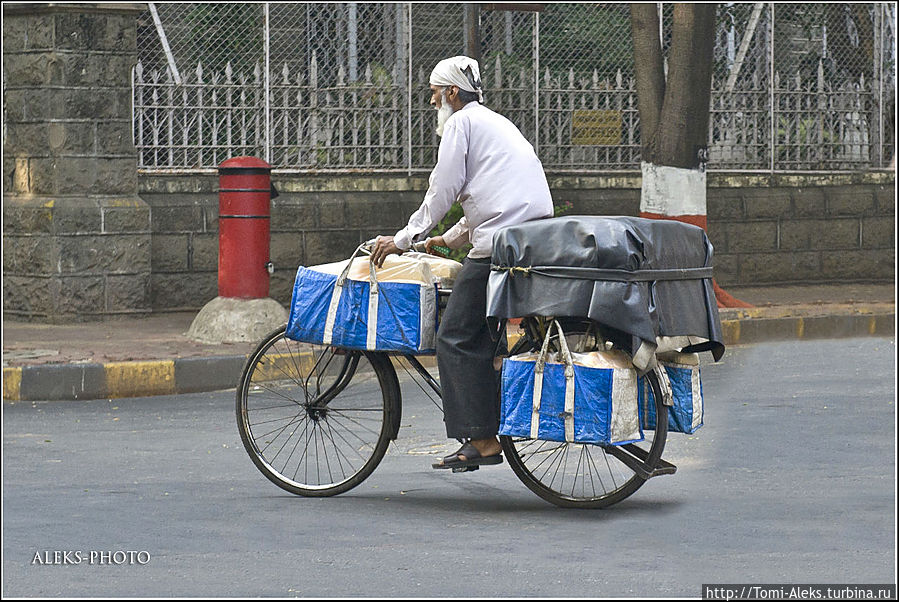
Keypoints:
(648, 278)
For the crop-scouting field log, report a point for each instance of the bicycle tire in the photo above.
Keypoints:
(544, 465)
(316, 420)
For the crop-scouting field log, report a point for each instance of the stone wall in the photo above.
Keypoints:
(782, 228)
(75, 258)
(313, 220)
(766, 229)
(76, 236)
(805, 229)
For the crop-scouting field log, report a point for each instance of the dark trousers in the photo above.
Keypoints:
(465, 350)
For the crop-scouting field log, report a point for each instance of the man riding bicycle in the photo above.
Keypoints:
(486, 164)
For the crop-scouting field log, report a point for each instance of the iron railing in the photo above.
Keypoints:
(343, 87)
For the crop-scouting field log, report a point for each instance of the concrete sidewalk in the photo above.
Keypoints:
(134, 357)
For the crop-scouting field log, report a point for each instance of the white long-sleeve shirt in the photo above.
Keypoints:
(492, 170)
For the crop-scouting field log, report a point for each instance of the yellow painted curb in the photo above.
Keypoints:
(730, 330)
(287, 366)
(12, 383)
(134, 379)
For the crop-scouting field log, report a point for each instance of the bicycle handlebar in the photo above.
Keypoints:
(418, 247)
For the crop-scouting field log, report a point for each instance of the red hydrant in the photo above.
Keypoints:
(245, 193)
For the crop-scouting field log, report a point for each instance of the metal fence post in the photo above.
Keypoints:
(266, 40)
(473, 31)
(409, 87)
(536, 46)
(773, 141)
(878, 73)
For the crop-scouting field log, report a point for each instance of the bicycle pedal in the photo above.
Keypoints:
(465, 468)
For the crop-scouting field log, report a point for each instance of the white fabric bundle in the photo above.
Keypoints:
(460, 71)
(411, 268)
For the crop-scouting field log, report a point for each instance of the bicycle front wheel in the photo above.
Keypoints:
(315, 419)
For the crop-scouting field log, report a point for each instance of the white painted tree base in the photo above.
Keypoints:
(672, 191)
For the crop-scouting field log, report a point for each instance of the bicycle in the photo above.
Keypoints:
(316, 420)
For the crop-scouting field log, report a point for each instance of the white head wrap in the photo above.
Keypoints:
(460, 71)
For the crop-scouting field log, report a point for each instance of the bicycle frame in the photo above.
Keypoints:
(423, 372)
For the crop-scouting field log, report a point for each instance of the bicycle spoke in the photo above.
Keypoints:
(286, 405)
(353, 432)
(578, 475)
(270, 389)
(319, 372)
(594, 468)
(611, 472)
(562, 454)
(318, 439)
(337, 454)
(549, 457)
(295, 419)
(277, 365)
(292, 451)
(351, 446)
(294, 358)
(287, 439)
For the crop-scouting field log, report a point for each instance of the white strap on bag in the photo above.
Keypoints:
(332, 313)
(371, 338)
(664, 384)
(371, 334)
(569, 384)
(696, 388)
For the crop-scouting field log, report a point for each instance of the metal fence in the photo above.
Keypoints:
(343, 87)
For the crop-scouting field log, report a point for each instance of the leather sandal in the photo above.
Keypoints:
(473, 459)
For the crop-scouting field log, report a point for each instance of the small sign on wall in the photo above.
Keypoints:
(595, 127)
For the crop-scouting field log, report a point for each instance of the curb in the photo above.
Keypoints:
(56, 382)
(761, 328)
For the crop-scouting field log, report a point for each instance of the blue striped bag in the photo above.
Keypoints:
(331, 309)
(567, 400)
(685, 415)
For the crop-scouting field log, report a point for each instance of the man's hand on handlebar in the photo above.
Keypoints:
(383, 247)
(436, 241)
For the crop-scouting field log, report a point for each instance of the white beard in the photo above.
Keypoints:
(443, 113)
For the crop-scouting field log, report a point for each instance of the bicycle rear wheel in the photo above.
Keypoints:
(573, 475)
(316, 420)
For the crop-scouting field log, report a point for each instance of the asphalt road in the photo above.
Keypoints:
(791, 480)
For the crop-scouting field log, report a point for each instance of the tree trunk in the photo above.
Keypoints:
(674, 114)
(648, 70)
(684, 122)
(677, 111)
